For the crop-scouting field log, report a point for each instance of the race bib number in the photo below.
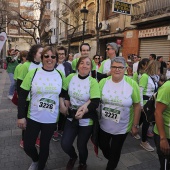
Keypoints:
(111, 114)
(46, 104)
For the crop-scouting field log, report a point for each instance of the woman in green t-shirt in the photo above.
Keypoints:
(11, 65)
(162, 126)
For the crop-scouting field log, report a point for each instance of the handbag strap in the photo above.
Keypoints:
(155, 90)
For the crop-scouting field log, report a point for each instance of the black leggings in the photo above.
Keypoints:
(111, 146)
(161, 156)
(26, 111)
(145, 126)
(31, 133)
(83, 134)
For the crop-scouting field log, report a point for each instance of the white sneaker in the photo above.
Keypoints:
(33, 166)
(147, 146)
(10, 97)
(137, 136)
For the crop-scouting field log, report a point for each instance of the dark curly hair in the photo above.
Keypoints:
(32, 52)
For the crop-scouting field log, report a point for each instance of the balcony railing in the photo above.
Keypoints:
(63, 35)
(74, 2)
(89, 30)
(142, 11)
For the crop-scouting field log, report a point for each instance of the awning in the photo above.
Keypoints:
(111, 35)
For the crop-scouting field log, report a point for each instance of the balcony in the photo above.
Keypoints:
(65, 11)
(47, 14)
(63, 36)
(147, 11)
(74, 2)
(89, 31)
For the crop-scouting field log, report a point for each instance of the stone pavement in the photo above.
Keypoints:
(12, 157)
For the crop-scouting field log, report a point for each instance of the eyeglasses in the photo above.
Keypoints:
(119, 68)
(96, 58)
(47, 56)
(61, 54)
(109, 49)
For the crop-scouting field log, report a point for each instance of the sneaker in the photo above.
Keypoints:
(60, 133)
(150, 134)
(147, 146)
(137, 136)
(82, 167)
(34, 166)
(21, 144)
(37, 142)
(10, 97)
(70, 164)
(56, 136)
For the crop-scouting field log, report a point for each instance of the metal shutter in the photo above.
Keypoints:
(155, 45)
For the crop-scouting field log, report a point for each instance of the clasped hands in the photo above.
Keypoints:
(80, 112)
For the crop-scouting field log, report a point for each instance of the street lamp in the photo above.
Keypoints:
(84, 13)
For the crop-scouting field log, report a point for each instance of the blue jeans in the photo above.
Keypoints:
(83, 134)
(12, 87)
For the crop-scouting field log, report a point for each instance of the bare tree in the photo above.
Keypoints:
(74, 25)
(3, 15)
(31, 19)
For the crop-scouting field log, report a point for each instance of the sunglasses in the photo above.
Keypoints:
(96, 58)
(109, 49)
(47, 56)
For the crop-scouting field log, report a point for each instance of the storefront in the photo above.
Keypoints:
(155, 41)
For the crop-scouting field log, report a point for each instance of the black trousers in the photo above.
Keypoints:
(145, 126)
(111, 146)
(31, 133)
(26, 111)
(83, 134)
(161, 156)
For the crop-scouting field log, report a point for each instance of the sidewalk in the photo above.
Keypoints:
(12, 157)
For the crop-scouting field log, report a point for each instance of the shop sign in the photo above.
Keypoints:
(121, 7)
(154, 32)
(13, 31)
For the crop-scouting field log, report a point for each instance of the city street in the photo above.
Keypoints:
(12, 157)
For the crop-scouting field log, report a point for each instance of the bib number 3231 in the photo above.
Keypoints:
(111, 114)
(46, 104)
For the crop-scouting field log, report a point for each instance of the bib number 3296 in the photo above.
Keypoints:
(111, 114)
(46, 104)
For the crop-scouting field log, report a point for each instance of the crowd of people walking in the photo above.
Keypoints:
(66, 97)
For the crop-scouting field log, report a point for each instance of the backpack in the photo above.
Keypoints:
(149, 108)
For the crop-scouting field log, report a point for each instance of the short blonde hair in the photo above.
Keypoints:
(152, 67)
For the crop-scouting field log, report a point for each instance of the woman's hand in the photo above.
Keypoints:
(164, 146)
(134, 131)
(79, 114)
(22, 123)
(83, 108)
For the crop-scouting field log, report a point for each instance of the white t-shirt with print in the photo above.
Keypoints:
(60, 67)
(45, 89)
(80, 91)
(117, 100)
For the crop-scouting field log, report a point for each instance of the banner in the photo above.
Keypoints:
(3, 38)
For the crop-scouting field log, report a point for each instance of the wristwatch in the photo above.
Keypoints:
(136, 126)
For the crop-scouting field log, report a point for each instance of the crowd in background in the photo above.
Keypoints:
(63, 96)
